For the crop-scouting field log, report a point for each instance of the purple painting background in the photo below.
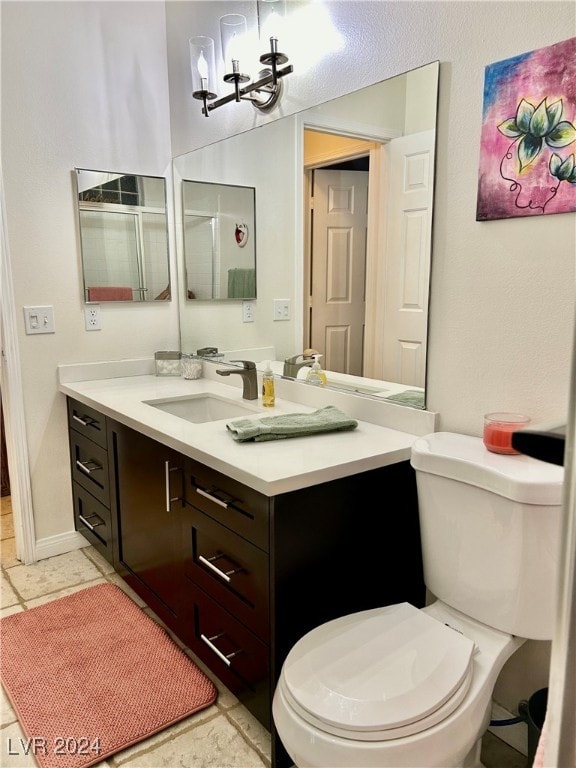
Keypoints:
(548, 73)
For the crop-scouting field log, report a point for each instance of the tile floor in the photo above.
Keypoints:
(225, 735)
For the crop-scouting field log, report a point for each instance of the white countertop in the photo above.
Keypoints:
(270, 467)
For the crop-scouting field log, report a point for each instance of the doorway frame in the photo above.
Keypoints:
(376, 254)
(13, 407)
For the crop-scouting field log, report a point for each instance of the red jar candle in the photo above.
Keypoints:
(498, 430)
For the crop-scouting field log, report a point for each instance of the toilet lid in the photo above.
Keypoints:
(389, 669)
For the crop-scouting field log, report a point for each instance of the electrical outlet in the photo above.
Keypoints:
(247, 312)
(281, 309)
(92, 317)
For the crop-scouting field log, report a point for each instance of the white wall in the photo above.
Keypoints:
(84, 84)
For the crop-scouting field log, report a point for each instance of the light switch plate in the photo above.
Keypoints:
(39, 319)
(281, 309)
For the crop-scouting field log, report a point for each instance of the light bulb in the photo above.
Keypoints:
(202, 66)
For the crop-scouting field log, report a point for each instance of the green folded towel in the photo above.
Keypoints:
(328, 419)
(409, 397)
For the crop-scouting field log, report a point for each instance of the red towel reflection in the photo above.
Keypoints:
(109, 293)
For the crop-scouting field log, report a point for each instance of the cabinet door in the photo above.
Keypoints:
(149, 497)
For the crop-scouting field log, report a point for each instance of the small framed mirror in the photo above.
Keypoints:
(219, 241)
(123, 236)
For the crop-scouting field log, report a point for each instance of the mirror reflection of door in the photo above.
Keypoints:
(338, 268)
(367, 271)
(406, 287)
(336, 169)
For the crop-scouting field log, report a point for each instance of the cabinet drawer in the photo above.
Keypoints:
(87, 422)
(90, 466)
(92, 520)
(234, 654)
(229, 568)
(233, 504)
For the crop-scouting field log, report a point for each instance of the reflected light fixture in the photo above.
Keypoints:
(265, 91)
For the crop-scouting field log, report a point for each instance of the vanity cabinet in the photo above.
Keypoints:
(148, 489)
(240, 576)
(91, 477)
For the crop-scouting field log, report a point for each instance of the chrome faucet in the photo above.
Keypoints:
(249, 378)
(293, 364)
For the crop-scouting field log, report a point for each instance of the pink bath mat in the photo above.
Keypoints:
(90, 674)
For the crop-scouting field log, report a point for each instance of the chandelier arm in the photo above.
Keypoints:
(246, 90)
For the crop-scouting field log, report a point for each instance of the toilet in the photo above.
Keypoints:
(402, 687)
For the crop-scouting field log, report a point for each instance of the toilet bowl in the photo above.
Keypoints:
(328, 706)
(402, 687)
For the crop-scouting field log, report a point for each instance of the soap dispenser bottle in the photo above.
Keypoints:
(316, 375)
(268, 394)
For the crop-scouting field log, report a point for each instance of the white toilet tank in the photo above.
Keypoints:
(491, 528)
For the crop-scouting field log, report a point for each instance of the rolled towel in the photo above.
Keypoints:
(327, 419)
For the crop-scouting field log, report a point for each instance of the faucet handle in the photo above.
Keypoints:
(246, 364)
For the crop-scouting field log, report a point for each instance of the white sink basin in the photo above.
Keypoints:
(202, 408)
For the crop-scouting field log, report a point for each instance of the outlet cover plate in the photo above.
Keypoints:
(247, 312)
(92, 317)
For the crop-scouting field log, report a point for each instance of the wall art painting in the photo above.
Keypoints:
(528, 139)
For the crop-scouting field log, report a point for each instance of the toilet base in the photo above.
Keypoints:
(472, 759)
(310, 748)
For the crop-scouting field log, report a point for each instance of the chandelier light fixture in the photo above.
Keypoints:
(265, 90)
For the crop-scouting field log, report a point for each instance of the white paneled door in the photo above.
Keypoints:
(406, 283)
(339, 268)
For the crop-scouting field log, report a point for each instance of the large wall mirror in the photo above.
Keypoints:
(219, 231)
(344, 204)
(123, 236)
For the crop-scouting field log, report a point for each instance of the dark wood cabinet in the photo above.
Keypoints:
(90, 468)
(240, 576)
(148, 492)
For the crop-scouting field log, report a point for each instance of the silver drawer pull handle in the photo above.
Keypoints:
(209, 561)
(169, 499)
(87, 466)
(212, 498)
(225, 659)
(167, 484)
(89, 525)
(86, 421)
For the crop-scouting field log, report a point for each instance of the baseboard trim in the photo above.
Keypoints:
(59, 545)
(516, 736)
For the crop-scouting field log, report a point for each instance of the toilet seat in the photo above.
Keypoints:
(380, 674)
